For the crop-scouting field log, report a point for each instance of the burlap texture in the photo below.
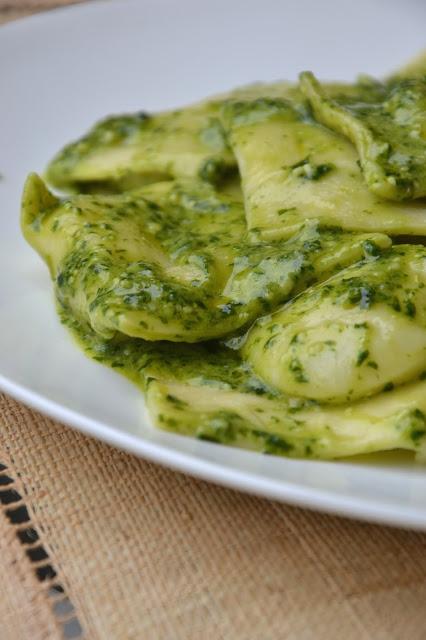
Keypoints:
(143, 552)
(25, 611)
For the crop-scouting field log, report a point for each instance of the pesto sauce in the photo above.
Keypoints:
(126, 151)
(341, 340)
(210, 392)
(209, 363)
(387, 123)
(174, 261)
(294, 169)
(141, 275)
(205, 390)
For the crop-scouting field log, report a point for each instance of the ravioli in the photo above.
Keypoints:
(172, 261)
(280, 426)
(129, 150)
(207, 391)
(387, 124)
(233, 259)
(293, 169)
(361, 332)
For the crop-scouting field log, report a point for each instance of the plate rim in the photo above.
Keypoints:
(321, 500)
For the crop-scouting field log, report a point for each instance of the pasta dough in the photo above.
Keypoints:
(233, 259)
(209, 392)
(130, 150)
(361, 331)
(172, 261)
(293, 169)
(387, 124)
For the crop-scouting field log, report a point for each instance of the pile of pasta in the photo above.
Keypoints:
(254, 262)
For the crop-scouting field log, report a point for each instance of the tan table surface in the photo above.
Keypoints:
(97, 544)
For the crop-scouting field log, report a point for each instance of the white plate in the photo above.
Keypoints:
(61, 71)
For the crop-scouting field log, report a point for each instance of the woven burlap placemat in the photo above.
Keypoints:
(137, 551)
